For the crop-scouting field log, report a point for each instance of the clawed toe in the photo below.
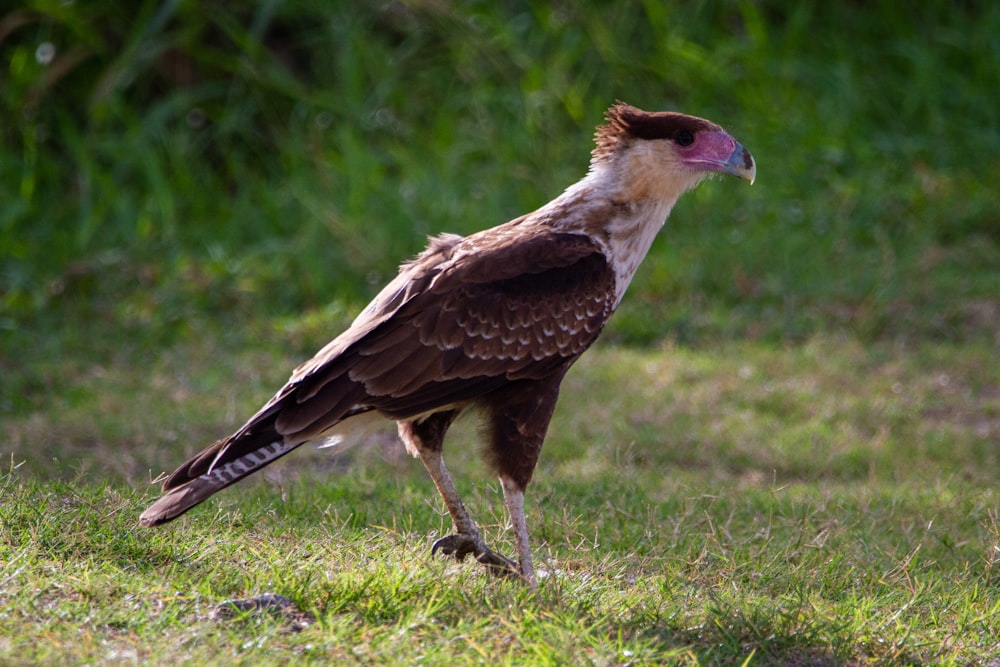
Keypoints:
(498, 565)
(460, 546)
(457, 545)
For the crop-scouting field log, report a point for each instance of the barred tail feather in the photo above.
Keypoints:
(183, 497)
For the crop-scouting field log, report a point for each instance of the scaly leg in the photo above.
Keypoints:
(520, 415)
(466, 539)
(513, 496)
(424, 440)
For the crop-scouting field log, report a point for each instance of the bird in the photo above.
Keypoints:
(491, 322)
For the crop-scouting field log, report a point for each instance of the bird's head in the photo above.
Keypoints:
(662, 154)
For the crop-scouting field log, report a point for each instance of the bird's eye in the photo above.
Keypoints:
(684, 138)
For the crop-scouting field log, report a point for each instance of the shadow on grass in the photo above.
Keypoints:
(769, 634)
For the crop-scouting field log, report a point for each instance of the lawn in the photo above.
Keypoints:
(827, 503)
(785, 450)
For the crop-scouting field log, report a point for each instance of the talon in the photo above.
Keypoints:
(459, 546)
(498, 565)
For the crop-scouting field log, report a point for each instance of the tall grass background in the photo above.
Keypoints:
(182, 162)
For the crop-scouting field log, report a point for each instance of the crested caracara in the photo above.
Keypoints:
(492, 321)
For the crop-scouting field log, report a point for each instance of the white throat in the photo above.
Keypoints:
(629, 239)
(642, 208)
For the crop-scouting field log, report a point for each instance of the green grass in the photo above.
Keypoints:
(783, 452)
(820, 504)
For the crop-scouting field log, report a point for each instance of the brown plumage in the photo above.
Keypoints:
(493, 320)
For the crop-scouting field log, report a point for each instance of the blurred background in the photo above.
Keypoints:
(172, 171)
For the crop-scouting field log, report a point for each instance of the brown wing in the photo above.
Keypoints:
(499, 307)
(463, 319)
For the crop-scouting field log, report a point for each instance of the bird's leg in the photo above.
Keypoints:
(513, 496)
(520, 415)
(424, 440)
(466, 539)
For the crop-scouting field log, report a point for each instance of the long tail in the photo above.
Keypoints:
(284, 423)
(226, 462)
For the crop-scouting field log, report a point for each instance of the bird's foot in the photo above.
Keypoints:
(461, 545)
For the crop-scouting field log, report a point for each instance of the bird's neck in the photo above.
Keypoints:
(630, 237)
(620, 216)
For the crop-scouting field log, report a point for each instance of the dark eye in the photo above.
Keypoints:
(684, 138)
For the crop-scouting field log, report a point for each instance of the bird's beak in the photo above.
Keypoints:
(719, 152)
(740, 163)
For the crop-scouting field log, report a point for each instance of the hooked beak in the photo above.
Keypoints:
(719, 152)
(740, 163)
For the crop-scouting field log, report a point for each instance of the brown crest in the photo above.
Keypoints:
(626, 122)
